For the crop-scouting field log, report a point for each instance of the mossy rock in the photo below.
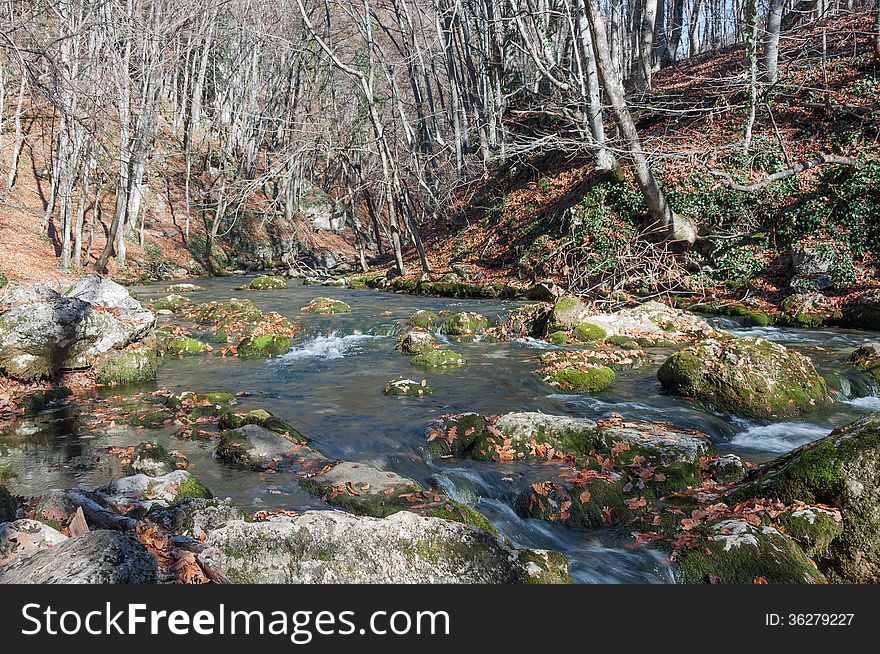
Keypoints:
(863, 312)
(586, 332)
(364, 490)
(415, 341)
(438, 359)
(173, 303)
(560, 338)
(584, 379)
(326, 306)
(737, 552)
(590, 504)
(566, 315)
(813, 528)
(185, 346)
(408, 388)
(424, 319)
(184, 287)
(458, 435)
(223, 313)
(465, 323)
(261, 418)
(148, 419)
(267, 282)
(265, 345)
(727, 469)
(192, 487)
(841, 470)
(153, 460)
(127, 367)
(254, 447)
(196, 516)
(198, 405)
(746, 376)
(867, 360)
(8, 506)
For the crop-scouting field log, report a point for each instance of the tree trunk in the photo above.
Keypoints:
(771, 41)
(646, 43)
(675, 227)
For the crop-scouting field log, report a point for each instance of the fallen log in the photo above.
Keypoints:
(797, 169)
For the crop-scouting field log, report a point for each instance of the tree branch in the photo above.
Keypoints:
(797, 169)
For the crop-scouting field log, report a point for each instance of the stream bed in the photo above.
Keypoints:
(330, 387)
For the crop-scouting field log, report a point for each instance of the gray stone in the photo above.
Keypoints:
(26, 536)
(96, 557)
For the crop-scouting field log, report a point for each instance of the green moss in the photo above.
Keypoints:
(152, 460)
(813, 529)
(545, 567)
(558, 337)
(867, 360)
(438, 359)
(466, 323)
(173, 303)
(326, 306)
(408, 387)
(151, 420)
(582, 379)
(415, 341)
(127, 367)
(192, 487)
(265, 345)
(261, 418)
(185, 346)
(459, 435)
(424, 319)
(588, 332)
(267, 282)
(223, 313)
(735, 552)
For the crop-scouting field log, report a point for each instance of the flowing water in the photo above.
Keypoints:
(330, 386)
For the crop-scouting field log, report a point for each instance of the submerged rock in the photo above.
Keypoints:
(96, 557)
(43, 331)
(585, 378)
(261, 418)
(252, 446)
(262, 346)
(841, 470)
(326, 306)
(173, 303)
(335, 547)
(183, 287)
(153, 460)
(746, 376)
(466, 323)
(408, 387)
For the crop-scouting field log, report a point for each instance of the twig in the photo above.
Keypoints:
(797, 169)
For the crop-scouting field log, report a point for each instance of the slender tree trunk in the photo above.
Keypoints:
(675, 227)
(646, 43)
(771, 41)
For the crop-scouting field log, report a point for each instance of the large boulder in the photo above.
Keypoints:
(746, 376)
(252, 446)
(196, 516)
(567, 313)
(465, 323)
(96, 557)
(863, 312)
(652, 322)
(335, 547)
(866, 358)
(43, 331)
(141, 492)
(841, 470)
(811, 265)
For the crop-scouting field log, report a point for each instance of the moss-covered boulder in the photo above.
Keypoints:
(264, 345)
(254, 447)
(153, 460)
(559, 338)
(197, 405)
(726, 469)
(415, 341)
(127, 367)
(566, 315)
(439, 358)
(173, 303)
(867, 359)
(463, 324)
(653, 323)
(841, 470)
(814, 528)
(8, 506)
(587, 331)
(408, 388)
(267, 282)
(863, 312)
(326, 306)
(529, 320)
(584, 379)
(184, 346)
(733, 551)
(806, 310)
(746, 376)
(424, 319)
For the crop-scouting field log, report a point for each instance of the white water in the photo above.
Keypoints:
(870, 403)
(778, 437)
(328, 347)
